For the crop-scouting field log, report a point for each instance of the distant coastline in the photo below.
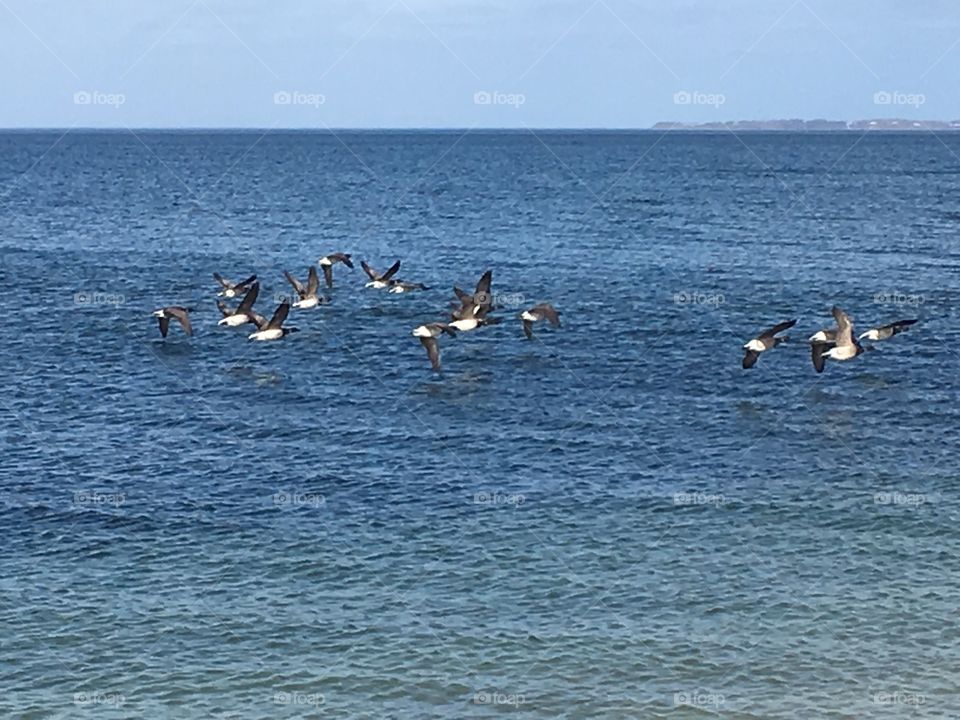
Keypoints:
(817, 125)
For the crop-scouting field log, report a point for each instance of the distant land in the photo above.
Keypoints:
(815, 125)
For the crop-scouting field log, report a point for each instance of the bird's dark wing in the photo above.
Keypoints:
(844, 326)
(369, 270)
(750, 359)
(483, 284)
(183, 317)
(898, 326)
(279, 315)
(297, 285)
(778, 328)
(528, 329)
(313, 282)
(244, 284)
(433, 351)
(222, 280)
(164, 324)
(257, 319)
(391, 272)
(550, 313)
(249, 299)
(328, 275)
(816, 355)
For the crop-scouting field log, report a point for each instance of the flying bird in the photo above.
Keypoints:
(327, 262)
(471, 317)
(244, 312)
(230, 289)
(308, 295)
(178, 313)
(537, 313)
(428, 335)
(845, 346)
(885, 332)
(274, 329)
(481, 297)
(765, 341)
(379, 281)
(401, 286)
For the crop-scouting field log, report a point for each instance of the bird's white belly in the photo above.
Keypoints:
(325, 262)
(842, 352)
(234, 320)
(526, 315)
(306, 304)
(271, 334)
(755, 345)
(465, 324)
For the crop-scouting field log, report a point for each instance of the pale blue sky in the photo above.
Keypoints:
(422, 63)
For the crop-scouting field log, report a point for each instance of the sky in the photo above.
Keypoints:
(472, 63)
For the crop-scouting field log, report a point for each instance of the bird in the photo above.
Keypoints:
(379, 281)
(401, 286)
(480, 297)
(471, 317)
(765, 341)
(428, 335)
(885, 332)
(244, 312)
(230, 289)
(308, 295)
(274, 329)
(181, 314)
(327, 262)
(844, 346)
(537, 313)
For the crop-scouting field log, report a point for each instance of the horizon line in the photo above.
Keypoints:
(680, 127)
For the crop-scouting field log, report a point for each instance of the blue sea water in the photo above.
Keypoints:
(613, 520)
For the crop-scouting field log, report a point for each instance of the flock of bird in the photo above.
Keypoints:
(837, 343)
(469, 310)
(474, 310)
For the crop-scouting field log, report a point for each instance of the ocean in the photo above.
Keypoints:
(612, 520)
